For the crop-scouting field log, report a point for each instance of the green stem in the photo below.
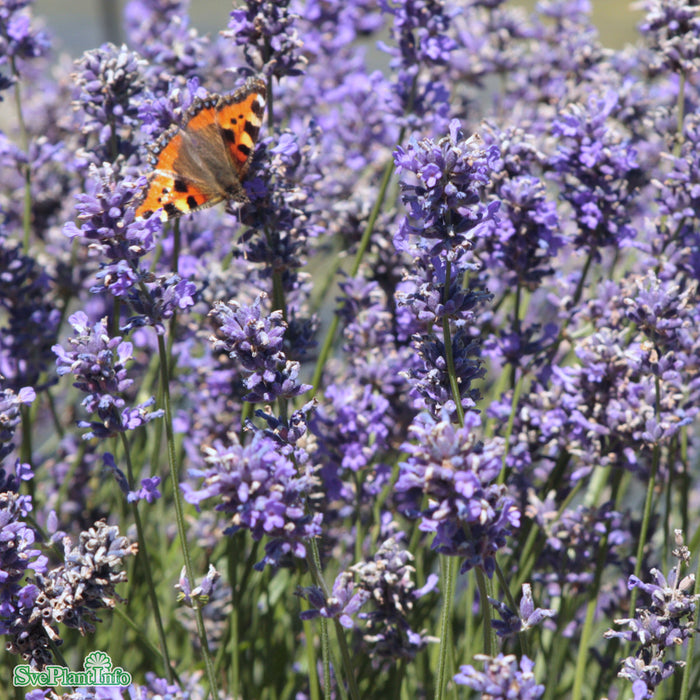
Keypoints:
(449, 357)
(234, 624)
(449, 576)
(180, 515)
(517, 391)
(484, 585)
(314, 561)
(582, 661)
(146, 560)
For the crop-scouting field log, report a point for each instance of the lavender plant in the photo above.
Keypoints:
(416, 418)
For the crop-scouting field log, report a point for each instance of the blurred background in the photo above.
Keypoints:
(79, 25)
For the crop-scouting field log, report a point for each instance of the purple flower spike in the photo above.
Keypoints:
(266, 30)
(457, 473)
(98, 363)
(256, 341)
(658, 628)
(263, 491)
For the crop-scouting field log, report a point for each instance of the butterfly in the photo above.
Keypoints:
(204, 161)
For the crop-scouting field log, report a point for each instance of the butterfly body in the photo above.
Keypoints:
(204, 161)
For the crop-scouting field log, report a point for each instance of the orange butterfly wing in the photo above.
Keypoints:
(191, 170)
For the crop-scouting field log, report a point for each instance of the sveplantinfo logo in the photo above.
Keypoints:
(97, 671)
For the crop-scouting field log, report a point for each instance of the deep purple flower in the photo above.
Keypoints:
(31, 319)
(596, 168)
(526, 235)
(469, 513)
(441, 189)
(266, 29)
(502, 679)
(98, 363)
(430, 379)
(263, 491)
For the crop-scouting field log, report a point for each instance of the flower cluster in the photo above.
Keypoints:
(469, 513)
(573, 542)
(480, 246)
(110, 84)
(673, 29)
(526, 236)
(18, 554)
(263, 492)
(441, 189)
(503, 678)
(266, 31)
(420, 31)
(665, 623)
(159, 30)
(106, 221)
(256, 342)
(388, 580)
(18, 39)
(71, 593)
(99, 364)
(597, 168)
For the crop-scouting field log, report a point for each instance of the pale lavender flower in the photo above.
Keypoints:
(528, 615)
(673, 29)
(503, 678)
(345, 601)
